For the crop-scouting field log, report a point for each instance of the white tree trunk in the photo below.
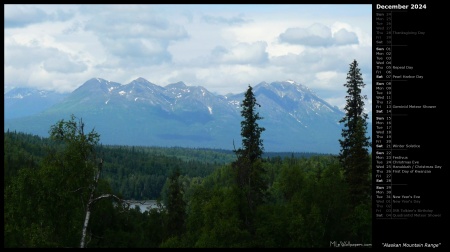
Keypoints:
(86, 223)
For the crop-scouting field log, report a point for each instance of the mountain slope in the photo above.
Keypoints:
(143, 113)
(20, 102)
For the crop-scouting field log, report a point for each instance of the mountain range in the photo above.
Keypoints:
(20, 102)
(142, 113)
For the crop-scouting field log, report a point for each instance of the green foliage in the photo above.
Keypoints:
(276, 225)
(26, 219)
(22, 151)
(354, 154)
(252, 144)
(45, 205)
(307, 206)
(141, 172)
(135, 172)
(202, 155)
(290, 181)
(361, 223)
(221, 224)
(176, 206)
(248, 171)
(306, 201)
(313, 192)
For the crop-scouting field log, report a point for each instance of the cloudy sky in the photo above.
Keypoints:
(223, 48)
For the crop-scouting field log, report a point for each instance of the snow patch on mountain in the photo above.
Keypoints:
(288, 108)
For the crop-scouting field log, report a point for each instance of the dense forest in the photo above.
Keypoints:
(69, 191)
(306, 205)
(135, 172)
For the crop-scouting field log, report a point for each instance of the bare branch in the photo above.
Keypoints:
(104, 196)
(76, 190)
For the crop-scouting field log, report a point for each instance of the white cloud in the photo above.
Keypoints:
(344, 37)
(61, 62)
(221, 47)
(20, 15)
(51, 59)
(315, 35)
(242, 53)
(318, 35)
(238, 19)
(328, 79)
(131, 53)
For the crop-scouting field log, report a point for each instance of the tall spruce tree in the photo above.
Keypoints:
(354, 155)
(248, 166)
(250, 130)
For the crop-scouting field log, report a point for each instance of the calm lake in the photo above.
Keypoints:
(143, 205)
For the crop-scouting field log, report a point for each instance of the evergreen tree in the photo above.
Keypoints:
(354, 155)
(250, 130)
(248, 167)
(176, 206)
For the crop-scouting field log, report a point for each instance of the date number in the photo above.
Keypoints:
(418, 6)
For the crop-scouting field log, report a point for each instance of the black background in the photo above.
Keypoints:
(417, 126)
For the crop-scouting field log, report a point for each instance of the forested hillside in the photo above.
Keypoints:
(69, 191)
(306, 204)
(135, 172)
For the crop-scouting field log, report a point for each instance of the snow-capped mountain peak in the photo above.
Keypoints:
(181, 115)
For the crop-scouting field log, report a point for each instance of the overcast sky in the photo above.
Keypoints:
(223, 48)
